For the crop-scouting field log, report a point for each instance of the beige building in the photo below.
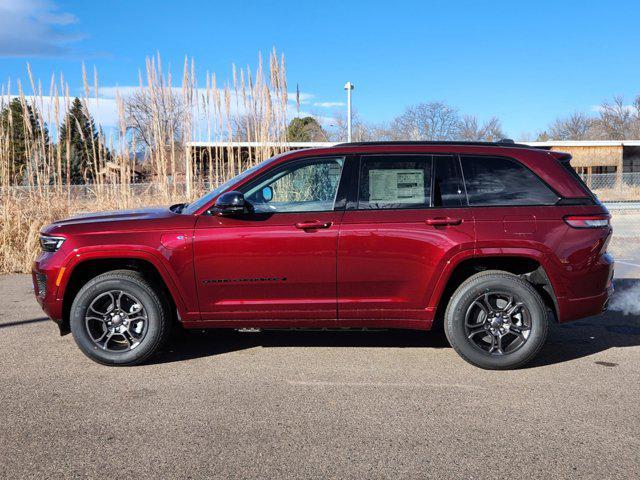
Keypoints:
(593, 157)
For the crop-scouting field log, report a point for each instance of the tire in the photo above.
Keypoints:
(481, 330)
(119, 319)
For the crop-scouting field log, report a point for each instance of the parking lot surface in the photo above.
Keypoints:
(317, 405)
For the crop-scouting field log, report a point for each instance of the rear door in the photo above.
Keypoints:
(512, 206)
(405, 218)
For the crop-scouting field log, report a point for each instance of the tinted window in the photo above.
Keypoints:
(502, 181)
(395, 181)
(306, 187)
(576, 177)
(448, 189)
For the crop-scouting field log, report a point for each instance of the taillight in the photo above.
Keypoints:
(587, 221)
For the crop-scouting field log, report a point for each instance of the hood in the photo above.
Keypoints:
(126, 218)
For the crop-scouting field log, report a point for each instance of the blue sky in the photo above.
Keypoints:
(525, 62)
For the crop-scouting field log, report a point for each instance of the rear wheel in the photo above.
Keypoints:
(117, 318)
(496, 320)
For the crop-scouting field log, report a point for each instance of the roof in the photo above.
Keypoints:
(585, 143)
(551, 143)
(263, 144)
(501, 143)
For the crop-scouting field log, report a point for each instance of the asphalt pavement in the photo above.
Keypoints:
(317, 405)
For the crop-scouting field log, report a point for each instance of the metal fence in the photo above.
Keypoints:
(620, 192)
(92, 190)
(614, 187)
(622, 187)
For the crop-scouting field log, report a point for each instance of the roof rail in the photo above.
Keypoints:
(505, 142)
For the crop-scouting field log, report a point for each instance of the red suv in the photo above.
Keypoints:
(494, 240)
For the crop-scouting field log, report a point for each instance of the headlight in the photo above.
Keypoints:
(51, 244)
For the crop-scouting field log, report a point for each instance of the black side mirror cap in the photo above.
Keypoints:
(230, 203)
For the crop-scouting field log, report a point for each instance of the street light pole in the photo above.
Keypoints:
(348, 87)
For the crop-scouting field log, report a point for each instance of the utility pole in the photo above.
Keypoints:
(348, 87)
(187, 171)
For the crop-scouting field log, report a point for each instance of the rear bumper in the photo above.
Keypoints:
(574, 308)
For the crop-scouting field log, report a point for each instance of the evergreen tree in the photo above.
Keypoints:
(306, 129)
(20, 125)
(80, 145)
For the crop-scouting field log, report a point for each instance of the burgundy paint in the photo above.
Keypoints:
(377, 268)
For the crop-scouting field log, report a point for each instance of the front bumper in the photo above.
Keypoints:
(45, 275)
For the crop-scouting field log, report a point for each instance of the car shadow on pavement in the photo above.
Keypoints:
(195, 344)
(566, 342)
(23, 322)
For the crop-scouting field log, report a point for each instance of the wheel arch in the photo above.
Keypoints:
(86, 267)
(529, 265)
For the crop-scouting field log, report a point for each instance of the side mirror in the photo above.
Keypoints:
(230, 203)
(267, 193)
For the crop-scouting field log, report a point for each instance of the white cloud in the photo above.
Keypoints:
(599, 108)
(35, 28)
(305, 98)
(329, 104)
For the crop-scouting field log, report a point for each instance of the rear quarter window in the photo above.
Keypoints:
(567, 166)
(500, 181)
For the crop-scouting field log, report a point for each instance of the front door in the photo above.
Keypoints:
(406, 220)
(277, 264)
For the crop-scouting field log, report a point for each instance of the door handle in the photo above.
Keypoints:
(313, 225)
(443, 221)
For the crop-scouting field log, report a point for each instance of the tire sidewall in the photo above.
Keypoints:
(468, 293)
(81, 304)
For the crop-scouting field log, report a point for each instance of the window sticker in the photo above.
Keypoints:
(396, 186)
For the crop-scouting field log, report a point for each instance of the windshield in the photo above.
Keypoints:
(202, 201)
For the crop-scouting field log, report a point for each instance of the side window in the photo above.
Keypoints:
(502, 181)
(303, 187)
(395, 181)
(448, 188)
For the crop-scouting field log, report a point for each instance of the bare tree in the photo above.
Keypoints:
(577, 126)
(426, 121)
(543, 136)
(616, 120)
(155, 118)
(244, 127)
(489, 131)
(361, 131)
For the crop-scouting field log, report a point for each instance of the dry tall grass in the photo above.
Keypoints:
(35, 192)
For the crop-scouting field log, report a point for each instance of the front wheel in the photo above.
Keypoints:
(496, 320)
(117, 318)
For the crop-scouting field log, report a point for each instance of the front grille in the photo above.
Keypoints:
(41, 282)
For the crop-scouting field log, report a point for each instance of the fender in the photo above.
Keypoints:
(445, 273)
(541, 257)
(140, 252)
(547, 260)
